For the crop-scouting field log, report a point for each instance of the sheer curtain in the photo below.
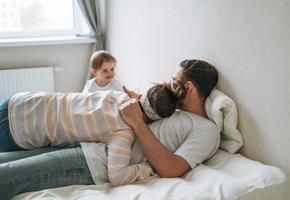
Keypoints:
(91, 11)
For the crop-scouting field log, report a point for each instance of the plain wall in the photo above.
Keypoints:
(72, 60)
(248, 41)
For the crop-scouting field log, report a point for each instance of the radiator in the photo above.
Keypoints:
(26, 79)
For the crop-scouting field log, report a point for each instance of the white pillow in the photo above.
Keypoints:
(222, 110)
(231, 176)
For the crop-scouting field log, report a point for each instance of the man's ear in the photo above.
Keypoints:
(190, 87)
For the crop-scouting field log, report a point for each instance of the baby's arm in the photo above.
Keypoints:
(120, 171)
(131, 93)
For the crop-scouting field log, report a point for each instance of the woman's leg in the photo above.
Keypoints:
(47, 170)
(16, 155)
(6, 142)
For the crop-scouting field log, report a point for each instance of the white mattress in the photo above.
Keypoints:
(224, 176)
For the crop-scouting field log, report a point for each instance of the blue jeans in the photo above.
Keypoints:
(43, 168)
(6, 141)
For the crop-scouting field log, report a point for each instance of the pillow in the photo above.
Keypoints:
(222, 110)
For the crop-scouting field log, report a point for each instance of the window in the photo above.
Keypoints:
(41, 18)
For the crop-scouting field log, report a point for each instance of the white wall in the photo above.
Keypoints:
(73, 59)
(248, 41)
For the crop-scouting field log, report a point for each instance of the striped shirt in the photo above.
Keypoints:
(40, 119)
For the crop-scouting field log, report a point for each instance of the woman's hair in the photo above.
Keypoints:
(163, 100)
(99, 57)
(202, 74)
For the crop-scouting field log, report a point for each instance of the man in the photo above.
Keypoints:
(198, 78)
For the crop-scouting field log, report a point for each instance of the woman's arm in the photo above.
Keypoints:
(165, 163)
(120, 171)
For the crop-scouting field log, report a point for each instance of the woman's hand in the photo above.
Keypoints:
(131, 113)
(131, 93)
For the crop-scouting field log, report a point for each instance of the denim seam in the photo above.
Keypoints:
(42, 176)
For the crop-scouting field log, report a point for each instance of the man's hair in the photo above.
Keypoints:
(202, 74)
(163, 100)
(99, 57)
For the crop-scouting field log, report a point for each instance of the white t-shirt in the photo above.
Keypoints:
(91, 86)
(190, 136)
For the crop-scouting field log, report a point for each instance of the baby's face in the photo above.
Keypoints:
(106, 73)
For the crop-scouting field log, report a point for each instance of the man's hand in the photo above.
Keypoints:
(131, 113)
(131, 93)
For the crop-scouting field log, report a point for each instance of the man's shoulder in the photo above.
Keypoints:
(188, 118)
(198, 122)
(181, 114)
(193, 116)
(187, 122)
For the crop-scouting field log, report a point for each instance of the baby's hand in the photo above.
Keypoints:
(131, 93)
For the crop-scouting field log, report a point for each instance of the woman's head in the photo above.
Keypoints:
(203, 75)
(160, 101)
(102, 64)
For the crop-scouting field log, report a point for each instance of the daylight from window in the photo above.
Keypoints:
(27, 16)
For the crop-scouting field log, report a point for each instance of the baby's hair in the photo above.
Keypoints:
(164, 100)
(99, 57)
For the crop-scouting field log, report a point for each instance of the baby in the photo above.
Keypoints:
(40, 119)
(102, 65)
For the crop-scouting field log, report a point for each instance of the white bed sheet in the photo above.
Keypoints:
(224, 176)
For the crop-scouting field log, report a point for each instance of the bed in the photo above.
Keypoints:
(226, 175)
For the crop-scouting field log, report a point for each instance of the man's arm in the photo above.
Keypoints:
(165, 163)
